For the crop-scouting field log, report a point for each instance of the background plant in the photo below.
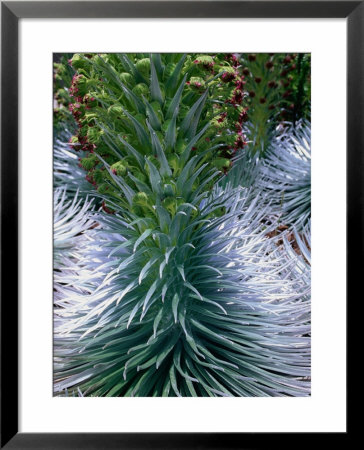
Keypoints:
(279, 92)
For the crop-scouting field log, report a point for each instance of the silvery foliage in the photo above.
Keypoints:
(73, 231)
(65, 166)
(244, 171)
(285, 174)
(240, 325)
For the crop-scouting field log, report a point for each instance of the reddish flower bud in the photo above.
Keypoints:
(239, 84)
(262, 100)
(246, 71)
(258, 79)
(238, 96)
(269, 64)
(243, 117)
(227, 76)
(252, 94)
(106, 209)
(222, 117)
(252, 57)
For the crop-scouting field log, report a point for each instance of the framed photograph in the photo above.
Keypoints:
(157, 189)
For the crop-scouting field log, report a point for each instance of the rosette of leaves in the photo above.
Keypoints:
(207, 306)
(279, 91)
(285, 175)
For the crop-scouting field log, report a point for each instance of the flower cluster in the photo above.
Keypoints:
(108, 88)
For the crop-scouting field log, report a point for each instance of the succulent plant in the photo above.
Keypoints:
(222, 310)
(175, 283)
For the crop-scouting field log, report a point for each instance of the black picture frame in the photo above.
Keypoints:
(11, 12)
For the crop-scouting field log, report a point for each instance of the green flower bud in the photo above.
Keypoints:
(165, 125)
(197, 83)
(82, 85)
(180, 146)
(94, 135)
(103, 95)
(160, 136)
(141, 89)
(97, 59)
(187, 63)
(118, 169)
(219, 123)
(204, 60)
(141, 199)
(143, 65)
(89, 117)
(173, 161)
(61, 93)
(89, 162)
(169, 69)
(80, 62)
(221, 163)
(127, 78)
(115, 110)
(74, 140)
(183, 110)
(170, 204)
(230, 139)
(227, 69)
